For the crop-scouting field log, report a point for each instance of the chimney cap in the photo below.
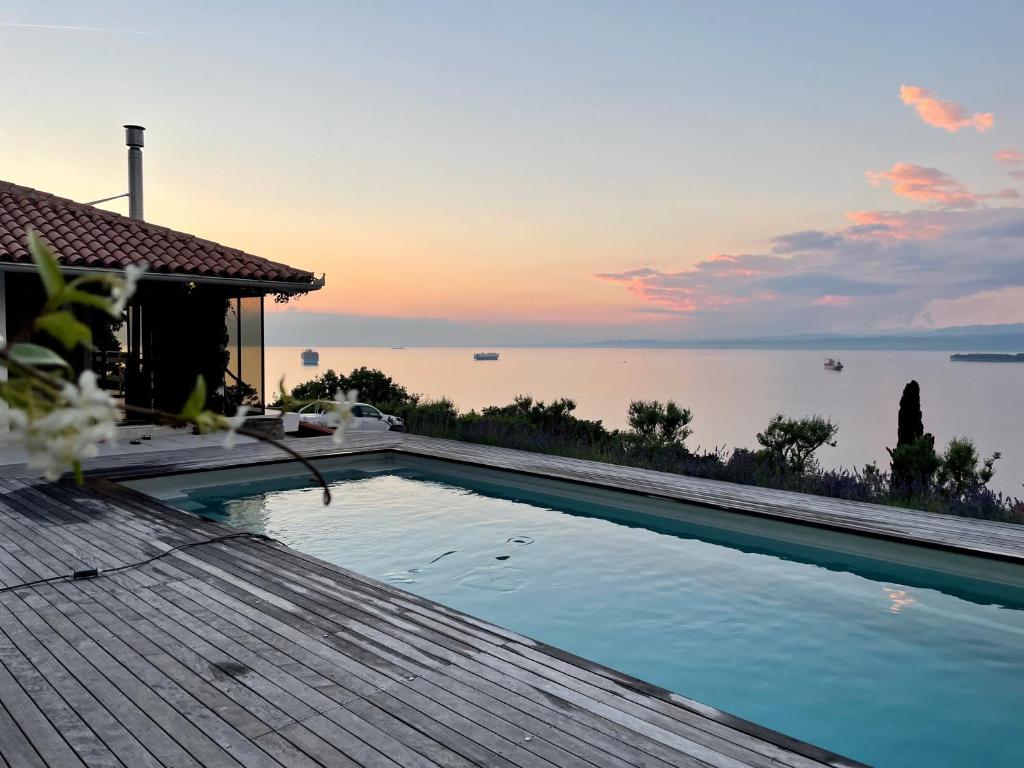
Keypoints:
(133, 136)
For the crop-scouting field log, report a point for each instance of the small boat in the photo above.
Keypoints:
(310, 357)
(833, 365)
(485, 356)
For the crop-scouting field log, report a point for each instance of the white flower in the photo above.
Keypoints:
(84, 417)
(232, 424)
(340, 414)
(12, 423)
(123, 290)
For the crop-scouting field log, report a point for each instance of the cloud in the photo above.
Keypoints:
(821, 284)
(1009, 157)
(828, 300)
(930, 185)
(1013, 158)
(807, 240)
(884, 269)
(944, 114)
(892, 225)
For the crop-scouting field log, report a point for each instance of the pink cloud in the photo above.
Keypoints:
(830, 300)
(930, 185)
(927, 185)
(706, 286)
(887, 225)
(944, 114)
(1009, 157)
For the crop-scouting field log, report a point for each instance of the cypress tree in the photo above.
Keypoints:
(911, 422)
(914, 460)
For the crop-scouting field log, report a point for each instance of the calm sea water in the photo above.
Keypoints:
(877, 661)
(732, 393)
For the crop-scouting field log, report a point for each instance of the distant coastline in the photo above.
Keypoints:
(324, 330)
(987, 357)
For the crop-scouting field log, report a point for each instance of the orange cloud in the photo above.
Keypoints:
(930, 185)
(944, 114)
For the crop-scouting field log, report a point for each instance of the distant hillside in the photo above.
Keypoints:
(968, 338)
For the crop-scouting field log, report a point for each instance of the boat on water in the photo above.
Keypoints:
(833, 365)
(485, 356)
(310, 357)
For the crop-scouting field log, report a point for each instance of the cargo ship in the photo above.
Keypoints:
(310, 357)
(485, 356)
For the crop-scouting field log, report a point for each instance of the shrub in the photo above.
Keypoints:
(374, 387)
(791, 443)
(664, 424)
(959, 473)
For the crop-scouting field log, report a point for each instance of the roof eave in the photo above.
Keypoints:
(267, 286)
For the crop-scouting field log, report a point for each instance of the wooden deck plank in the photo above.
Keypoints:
(332, 668)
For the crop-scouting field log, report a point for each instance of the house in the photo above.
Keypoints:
(197, 311)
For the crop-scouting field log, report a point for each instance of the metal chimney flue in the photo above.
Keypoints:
(133, 137)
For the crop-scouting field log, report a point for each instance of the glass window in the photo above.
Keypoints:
(250, 344)
(243, 377)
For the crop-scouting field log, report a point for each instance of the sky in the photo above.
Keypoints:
(553, 171)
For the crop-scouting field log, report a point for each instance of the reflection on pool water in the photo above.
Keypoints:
(889, 664)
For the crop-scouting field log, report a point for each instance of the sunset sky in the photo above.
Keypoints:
(554, 171)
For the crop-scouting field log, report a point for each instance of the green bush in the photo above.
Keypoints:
(374, 387)
(791, 443)
(959, 474)
(660, 423)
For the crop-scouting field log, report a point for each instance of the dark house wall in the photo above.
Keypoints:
(174, 333)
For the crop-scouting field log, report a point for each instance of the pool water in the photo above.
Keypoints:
(876, 661)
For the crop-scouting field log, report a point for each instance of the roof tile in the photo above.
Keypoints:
(86, 236)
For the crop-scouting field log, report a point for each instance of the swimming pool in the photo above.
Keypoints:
(889, 654)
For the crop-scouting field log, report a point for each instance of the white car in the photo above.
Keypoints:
(365, 418)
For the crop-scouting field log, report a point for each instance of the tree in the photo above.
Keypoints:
(374, 387)
(378, 388)
(910, 420)
(319, 388)
(959, 472)
(914, 460)
(657, 422)
(792, 442)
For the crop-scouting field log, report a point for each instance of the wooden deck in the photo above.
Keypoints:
(243, 652)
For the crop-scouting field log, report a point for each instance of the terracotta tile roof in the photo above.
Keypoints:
(84, 236)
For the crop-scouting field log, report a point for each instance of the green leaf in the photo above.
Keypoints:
(36, 356)
(71, 296)
(46, 263)
(196, 401)
(66, 328)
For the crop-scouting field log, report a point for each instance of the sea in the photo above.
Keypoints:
(732, 393)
